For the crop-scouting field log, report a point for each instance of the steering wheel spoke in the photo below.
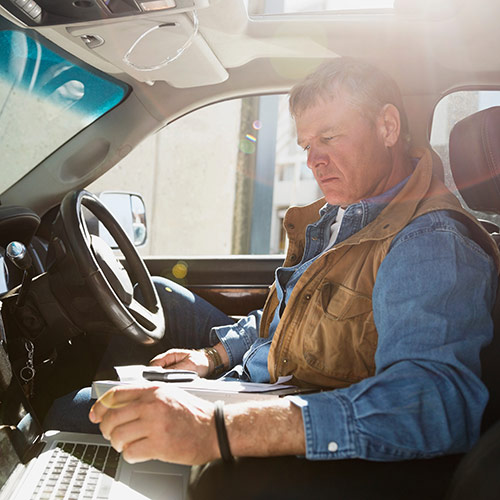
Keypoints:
(144, 316)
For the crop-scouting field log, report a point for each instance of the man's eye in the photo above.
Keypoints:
(329, 138)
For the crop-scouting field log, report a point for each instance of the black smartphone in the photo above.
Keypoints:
(171, 375)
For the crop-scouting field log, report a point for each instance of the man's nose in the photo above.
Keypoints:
(316, 158)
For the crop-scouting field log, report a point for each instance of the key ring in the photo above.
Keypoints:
(27, 373)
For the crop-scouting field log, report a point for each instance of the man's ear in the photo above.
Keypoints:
(389, 124)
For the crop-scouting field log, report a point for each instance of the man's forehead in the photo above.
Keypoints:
(317, 120)
(304, 133)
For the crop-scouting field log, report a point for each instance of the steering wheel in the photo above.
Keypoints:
(103, 273)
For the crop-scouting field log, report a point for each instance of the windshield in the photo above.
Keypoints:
(44, 101)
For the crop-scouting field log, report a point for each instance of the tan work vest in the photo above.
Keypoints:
(326, 336)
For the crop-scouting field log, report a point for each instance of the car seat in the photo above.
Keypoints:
(475, 166)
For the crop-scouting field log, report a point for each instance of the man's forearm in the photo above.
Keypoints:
(265, 428)
(164, 422)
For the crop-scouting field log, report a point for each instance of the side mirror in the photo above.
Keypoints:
(130, 211)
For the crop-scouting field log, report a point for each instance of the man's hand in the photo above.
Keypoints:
(183, 359)
(152, 422)
(166, 423)
(190, 359)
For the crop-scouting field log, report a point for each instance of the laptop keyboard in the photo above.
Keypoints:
(78, 471)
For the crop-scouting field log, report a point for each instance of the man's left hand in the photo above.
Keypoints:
(152, 422)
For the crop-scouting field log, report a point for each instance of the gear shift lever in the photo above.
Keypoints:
(18, 254)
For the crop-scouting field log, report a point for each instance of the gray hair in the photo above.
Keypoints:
(366, 87)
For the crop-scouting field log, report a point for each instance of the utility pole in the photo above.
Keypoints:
(245, 175)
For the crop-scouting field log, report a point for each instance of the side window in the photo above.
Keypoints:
(218, 181)
(451, 109)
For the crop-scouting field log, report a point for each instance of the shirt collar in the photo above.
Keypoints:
(369, 208)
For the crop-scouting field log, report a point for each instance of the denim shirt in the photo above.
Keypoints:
(431, 301)
(241, 340)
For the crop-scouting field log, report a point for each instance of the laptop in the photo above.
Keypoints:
(67, 465)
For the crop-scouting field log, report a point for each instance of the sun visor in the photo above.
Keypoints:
(164, 47)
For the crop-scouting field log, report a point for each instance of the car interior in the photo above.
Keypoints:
(147, 65)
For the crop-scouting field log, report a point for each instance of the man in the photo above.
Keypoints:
(383, 302)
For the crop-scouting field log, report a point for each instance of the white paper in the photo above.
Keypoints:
(133, 373)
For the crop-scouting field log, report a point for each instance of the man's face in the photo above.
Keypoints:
(348, 153)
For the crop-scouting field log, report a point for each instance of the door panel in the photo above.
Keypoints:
(234, 284)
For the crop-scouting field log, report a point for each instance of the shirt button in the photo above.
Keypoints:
(285, 361)
(359, 211)
(333, 446)
(308, 297)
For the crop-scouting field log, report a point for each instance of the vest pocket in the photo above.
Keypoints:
(341, 336)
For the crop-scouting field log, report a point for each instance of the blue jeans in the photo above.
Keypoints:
(188, 323)
(188, 320)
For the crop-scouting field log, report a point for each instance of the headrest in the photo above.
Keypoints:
(475, 159)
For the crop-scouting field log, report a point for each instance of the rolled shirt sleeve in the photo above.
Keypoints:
(432, 306)
(238, 338)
